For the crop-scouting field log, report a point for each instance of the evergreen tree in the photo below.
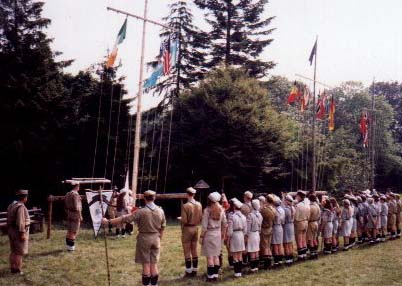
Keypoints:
(238, 34)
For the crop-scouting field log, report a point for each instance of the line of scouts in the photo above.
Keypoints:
(258, 233)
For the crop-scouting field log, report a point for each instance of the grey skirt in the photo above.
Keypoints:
(346, 227)
(277, 234)
(384, 221)
(212, 243)
(288, 232)
(335, 227)
(328, 230)
(253, 241)
(354, 226)
(236, 243)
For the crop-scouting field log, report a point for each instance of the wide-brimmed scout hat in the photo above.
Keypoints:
(22, 193)
(149, 193)
(191, 190)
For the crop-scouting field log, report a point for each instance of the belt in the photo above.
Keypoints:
(213, 228)
(237, 230)
(189, 225)
(289, 222)
(301, 220)
(313, 220)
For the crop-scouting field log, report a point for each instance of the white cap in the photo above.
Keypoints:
(256, 204)
(248, 194)
(277, 201)
(238, 204)
(262, 199)
(289, 198)
(214, 197)
(191, 190)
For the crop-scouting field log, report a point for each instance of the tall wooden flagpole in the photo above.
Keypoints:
(314, 119)
(137, 136)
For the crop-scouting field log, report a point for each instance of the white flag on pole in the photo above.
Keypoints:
(126, 183)
(95, 208)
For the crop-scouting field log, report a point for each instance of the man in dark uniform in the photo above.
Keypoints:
(151, 225)
(18, 230)
(191, 216)
(73, 207)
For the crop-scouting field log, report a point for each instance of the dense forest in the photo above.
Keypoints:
(227, 122)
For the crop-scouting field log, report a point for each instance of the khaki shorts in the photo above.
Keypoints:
(189, 234)
(312, 231)
(147, 248)
(300, 227)
(16, 245)
(73, 225)
(266, 238)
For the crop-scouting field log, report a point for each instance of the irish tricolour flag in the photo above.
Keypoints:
(120, 38)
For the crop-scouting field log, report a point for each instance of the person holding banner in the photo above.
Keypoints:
(151, 223)
(73, 207)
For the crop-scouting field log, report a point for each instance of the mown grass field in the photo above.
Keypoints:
(49, 264)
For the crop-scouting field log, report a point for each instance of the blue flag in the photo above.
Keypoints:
(153, 79)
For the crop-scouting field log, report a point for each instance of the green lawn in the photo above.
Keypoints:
(49, 264)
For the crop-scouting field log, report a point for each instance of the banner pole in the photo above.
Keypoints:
(104, 236)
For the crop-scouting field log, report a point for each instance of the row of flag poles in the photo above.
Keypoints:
(166, 58)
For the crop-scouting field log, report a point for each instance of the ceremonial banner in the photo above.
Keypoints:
(313, 53)
(331, 122)
(120, 38)
(95, 208)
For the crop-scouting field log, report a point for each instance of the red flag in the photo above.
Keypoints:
(166, 56)
(320, 111)
(294, 94)
(364, 128)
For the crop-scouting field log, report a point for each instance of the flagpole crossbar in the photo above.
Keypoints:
(310, 79)
(141, 18)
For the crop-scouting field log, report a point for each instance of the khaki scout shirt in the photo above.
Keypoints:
(391, 207)
(150, 219)
(268, 215)
(191, 213)
(302, 212)
(246, 209)
(73, 206)
(18, 217)
(315, 212)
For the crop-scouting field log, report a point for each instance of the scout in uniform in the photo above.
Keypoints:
(111, 210)
(302, 214)
(191, 216)
(360, 220)
(366, 214)
(214, 226)
(151, 223)
(346, 223)
(288, 229)
(398, 215)
(391, 216)
(73, 207)
(237, 229)
(353, 234)
(336, 213)
(383, 218)
(254, 221)
(246, 210)
(277, 232)
(312, 228)
(326, 226)
(18, 230)
(372, 220)
(268, 215)
(122, 209)
(377, 204)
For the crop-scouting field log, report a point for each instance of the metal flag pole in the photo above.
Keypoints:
(137, 137)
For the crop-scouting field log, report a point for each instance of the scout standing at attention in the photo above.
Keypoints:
(18, 230)
(237, 229)
(302, 214)
(326, 227)
(312, 228)
(73, 207)
(213, 232)
(268, 215)
(191, 216)
(398, 215)
(288, 229)
(254, 221)
(151, 224)
(246, 210)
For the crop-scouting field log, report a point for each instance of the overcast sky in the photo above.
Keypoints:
(357, 39)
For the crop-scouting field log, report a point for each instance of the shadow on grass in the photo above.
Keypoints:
(42, 254)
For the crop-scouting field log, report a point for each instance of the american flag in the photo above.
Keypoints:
(166, 56)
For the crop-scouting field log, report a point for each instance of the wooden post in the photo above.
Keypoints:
(49, 216)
